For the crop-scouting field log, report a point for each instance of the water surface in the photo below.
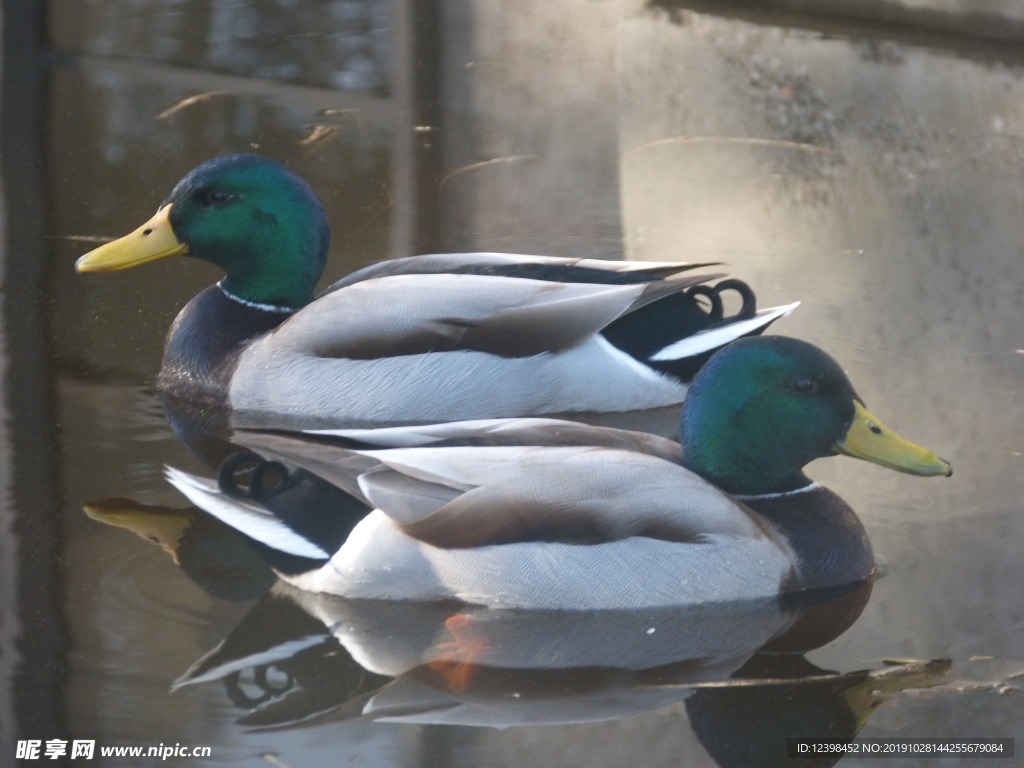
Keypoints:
(877, 182)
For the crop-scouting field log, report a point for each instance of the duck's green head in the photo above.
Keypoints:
(762, 408)
(247, 214)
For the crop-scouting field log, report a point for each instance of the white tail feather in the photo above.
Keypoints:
(704, 341)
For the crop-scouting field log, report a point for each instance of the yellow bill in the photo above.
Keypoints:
(869, 439)
(153, 240)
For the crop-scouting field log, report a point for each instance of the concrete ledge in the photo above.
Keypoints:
(975, 28)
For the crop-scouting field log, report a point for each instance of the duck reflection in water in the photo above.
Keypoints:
(298, 660)
(208, 552)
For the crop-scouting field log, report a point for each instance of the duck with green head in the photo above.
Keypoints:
(420, 339)
(542, 513)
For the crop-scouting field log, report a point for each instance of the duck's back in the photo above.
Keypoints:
(430, 348)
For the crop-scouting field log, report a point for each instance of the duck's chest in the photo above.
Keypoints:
(203, 345)
(829, 542)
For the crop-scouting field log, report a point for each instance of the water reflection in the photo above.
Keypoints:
(344, 45)
(208, 552)
(298, 660)
(445, 664)
(787, 697)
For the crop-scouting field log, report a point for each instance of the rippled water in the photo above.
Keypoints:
(878, 183)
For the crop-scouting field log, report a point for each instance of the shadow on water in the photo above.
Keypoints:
(872, 174)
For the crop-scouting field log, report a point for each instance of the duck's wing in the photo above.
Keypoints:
(682, 330)
(295, 447)
(537, 432)
(474, 495)
(461, 497)
(507, 317)
(549, 268)
(335, 456)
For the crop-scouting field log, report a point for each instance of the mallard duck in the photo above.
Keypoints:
(421, 339)
(546, 514)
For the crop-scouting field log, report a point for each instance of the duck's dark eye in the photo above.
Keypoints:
(804, 385)
(216, 196)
